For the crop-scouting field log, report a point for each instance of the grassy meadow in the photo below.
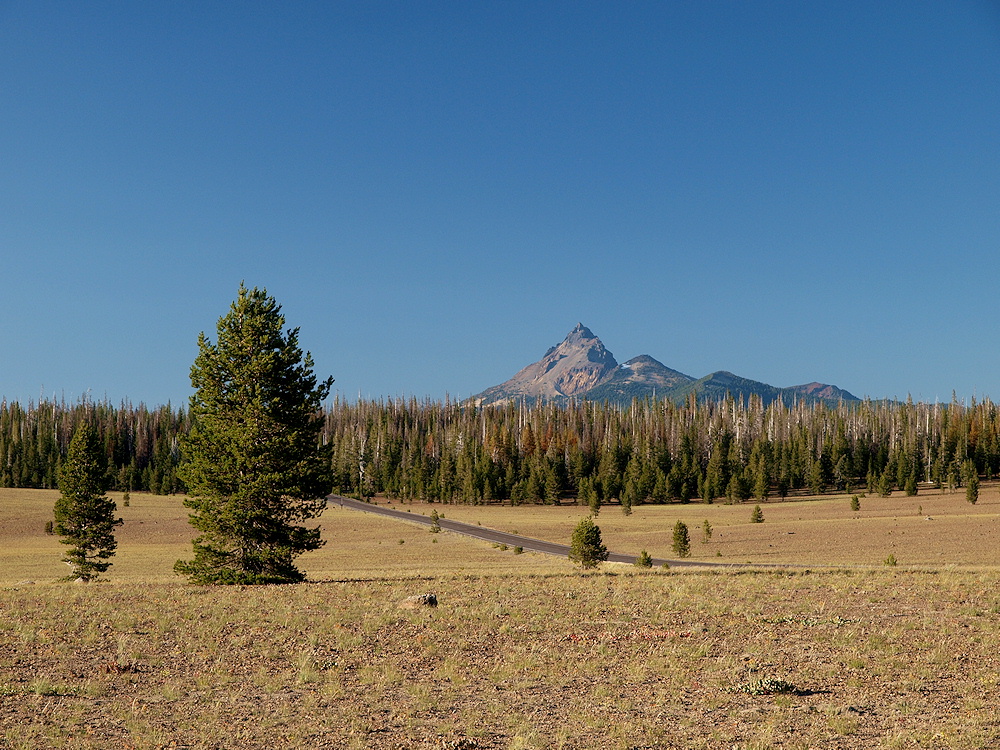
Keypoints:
(933, 528)
(523, 651)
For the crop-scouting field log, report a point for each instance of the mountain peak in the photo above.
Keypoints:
(580, 366)
(580, 336)
(574, 367)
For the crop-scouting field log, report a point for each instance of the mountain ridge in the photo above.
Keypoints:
(582, 367)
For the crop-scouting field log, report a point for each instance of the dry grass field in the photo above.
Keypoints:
(523, 651)
(156, 533)
(932, 528)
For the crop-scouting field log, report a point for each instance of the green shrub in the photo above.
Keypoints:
(586, 548)
(644, 560)
(756, 515)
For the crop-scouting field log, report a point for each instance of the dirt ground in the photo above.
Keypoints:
(523, 651)
(881, 659)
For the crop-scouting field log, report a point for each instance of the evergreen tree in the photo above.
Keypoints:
(760, 460)
(952, 476)
(252, 461)
(644, 560)
(761, 482)
(682, 541)
(589, 496)
(783, 486)
(586, 548)
(756, 515)
(84, 515)
(816, 484)
(884, 484)
(971, 481)
(737, 491)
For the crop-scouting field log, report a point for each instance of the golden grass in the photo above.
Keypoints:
(156, 533)
(524, 651)
(932, 528)
(875, 659)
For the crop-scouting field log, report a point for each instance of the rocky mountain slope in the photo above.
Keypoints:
(582, 367)
(574, 367)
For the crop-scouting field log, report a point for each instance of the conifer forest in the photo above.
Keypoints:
(592, 453)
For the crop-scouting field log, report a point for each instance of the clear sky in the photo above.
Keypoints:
(436, 192)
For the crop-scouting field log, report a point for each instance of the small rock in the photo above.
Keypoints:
(419, 600)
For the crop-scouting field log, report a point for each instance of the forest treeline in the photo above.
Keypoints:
(140, 446)
(648, 452)
(655, 452)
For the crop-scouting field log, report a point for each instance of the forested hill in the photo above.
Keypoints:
(646, 452)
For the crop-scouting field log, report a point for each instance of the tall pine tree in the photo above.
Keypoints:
(84, 515)
(252, 462)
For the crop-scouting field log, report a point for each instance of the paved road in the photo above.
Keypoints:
(501, 537)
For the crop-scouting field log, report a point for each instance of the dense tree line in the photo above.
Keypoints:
(655, 452)
(139, 446)
(648, 452)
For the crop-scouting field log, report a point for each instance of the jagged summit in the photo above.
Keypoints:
(575, 366)
(582, 367)
(580, 333)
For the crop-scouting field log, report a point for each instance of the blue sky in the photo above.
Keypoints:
(436, 192)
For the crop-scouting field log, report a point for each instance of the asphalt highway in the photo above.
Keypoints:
(499, 537)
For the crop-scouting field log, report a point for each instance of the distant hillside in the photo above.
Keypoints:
(639, 377)
(583, 368)
(823, 391)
